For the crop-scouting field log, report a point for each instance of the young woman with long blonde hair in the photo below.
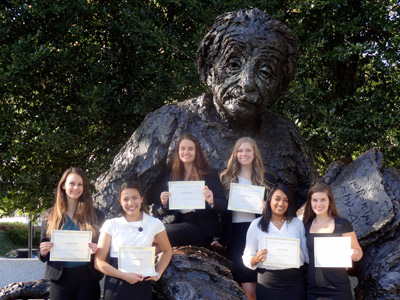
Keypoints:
(245, 166)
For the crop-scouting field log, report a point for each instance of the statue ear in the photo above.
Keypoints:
(210, 76)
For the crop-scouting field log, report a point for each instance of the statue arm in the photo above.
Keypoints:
(142, 159)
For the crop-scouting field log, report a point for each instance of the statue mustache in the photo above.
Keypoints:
(236, 92)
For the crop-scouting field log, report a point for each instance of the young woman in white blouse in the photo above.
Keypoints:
(278, 220)
(133, 228)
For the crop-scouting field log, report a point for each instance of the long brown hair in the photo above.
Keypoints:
(230, 174)
(84, 214)
(319, 187)
(200, 164)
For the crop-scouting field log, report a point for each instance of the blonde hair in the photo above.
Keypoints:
(85, 213)
(230, 174)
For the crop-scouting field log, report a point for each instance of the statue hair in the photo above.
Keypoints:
(213, 42)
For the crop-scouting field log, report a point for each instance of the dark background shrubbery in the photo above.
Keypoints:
(15, 236)
(19, 236)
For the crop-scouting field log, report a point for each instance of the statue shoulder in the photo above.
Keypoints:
(282, 124)
(281, 119)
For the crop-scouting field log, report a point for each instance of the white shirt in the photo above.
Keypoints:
(241, 216)
(255, 241)
(124, 233)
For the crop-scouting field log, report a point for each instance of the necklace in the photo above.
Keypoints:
(279, 222)
(324, 221)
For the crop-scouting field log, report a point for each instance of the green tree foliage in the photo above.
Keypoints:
(78, 76)
(346, 96)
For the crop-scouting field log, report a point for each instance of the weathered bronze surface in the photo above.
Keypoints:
(368, 195)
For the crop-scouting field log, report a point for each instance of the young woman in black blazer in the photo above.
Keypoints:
(196, 227)
(73, 210)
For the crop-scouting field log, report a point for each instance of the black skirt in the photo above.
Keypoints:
(118, 289)
(288, 284)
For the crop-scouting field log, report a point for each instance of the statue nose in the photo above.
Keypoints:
(247, 81)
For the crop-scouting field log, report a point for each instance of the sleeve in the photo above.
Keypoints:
(108, 227)
(303, 243)
(100, 221)
(43, 237)
(159, 226)
(251, 247)
(100, 217)
(345, 225)
(214, 184)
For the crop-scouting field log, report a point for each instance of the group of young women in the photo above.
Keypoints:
(242, 233)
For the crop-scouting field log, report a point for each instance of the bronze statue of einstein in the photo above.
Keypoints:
(247, 60)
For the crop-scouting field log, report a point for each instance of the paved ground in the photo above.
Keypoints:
(20, 269)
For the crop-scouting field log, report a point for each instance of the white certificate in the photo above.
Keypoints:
(332, 252)
(186, 195)
(70, 245)
(139, 260)
(282, 252)
(247, 198)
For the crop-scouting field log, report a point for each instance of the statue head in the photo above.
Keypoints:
(248, 60)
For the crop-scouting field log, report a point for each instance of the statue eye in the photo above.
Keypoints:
(265, 71)
(234, 65)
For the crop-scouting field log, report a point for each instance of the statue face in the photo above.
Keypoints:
(246, 75)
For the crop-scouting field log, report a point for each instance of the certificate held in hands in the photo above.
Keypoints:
(70, 245)
(282, 252)
(186, 195)
(246, 198)
(332, 252)
(139, 260)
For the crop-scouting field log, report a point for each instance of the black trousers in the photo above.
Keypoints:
(75, 284)
(186, 232)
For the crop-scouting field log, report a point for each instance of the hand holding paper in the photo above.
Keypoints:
(208, 195)
(70, 245)
(187, 195)
(282, 252)
(332, 252)
(138, 260)
(246, 198)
